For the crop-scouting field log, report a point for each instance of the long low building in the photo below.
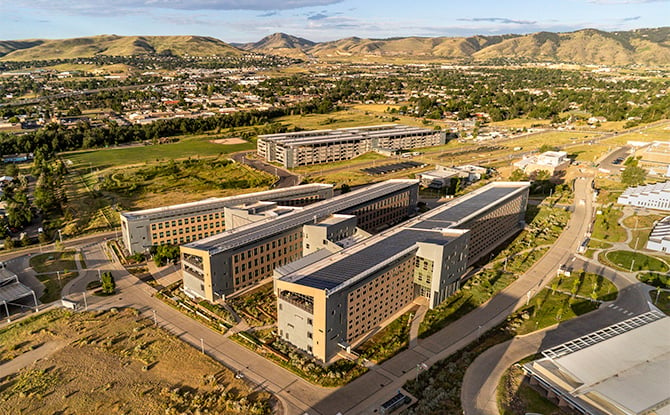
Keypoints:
(619, 370)
(652, 196)
(187, 222)
(239, 258)
(334, 302)
(325, 146)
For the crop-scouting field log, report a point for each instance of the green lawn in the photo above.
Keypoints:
(53, 261)
(53, 285)
(661, 300)
(635, 261)
(561, 301)
(606, 227)
(105, 158)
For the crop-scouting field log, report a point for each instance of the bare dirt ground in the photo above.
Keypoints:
(113, 362)
(233, 140)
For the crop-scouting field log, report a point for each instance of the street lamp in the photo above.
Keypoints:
(60, 236)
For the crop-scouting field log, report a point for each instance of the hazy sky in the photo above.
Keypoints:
(319, 20)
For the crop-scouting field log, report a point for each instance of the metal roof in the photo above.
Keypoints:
(191, 207)
(14, 291)
(362, 259)
(627, 368)
(262, 229)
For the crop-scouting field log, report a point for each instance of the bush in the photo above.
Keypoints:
(108, 284)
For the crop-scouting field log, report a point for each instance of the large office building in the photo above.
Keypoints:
(332, 303)
(651, 196)
(187, 222)
(242, 257)
(618, 370)
(325, 146)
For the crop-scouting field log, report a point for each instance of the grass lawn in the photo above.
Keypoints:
(599, 244)
(642, 221)
(639, 239)
(53, 261)
(655, 279)
(624, 260)
(521, 123)
(516, 396)
(115, 362)
(606, 227)
(661, 300)
(53, 285)
(388, 341)
(192, 147)
(550, 306)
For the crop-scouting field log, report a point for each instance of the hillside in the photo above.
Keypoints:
(281, 44)
(113, 45)
(588, 46)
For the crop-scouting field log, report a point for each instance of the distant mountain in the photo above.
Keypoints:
(280, 44)
(113, 45)
(588, 46)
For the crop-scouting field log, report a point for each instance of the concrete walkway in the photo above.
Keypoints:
(416, 321)
(30, 357)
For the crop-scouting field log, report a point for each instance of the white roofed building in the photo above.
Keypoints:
(651, 196)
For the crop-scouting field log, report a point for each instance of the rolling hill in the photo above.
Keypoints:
(113, 45)
(588, 46)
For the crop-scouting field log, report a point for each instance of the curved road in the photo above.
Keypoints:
(285, 177)
(481, 380)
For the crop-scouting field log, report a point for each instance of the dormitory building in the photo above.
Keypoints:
(326, 146)
(220, 265)
(331, 301)
(187, 222)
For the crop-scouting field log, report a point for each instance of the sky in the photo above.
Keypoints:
(321, 20)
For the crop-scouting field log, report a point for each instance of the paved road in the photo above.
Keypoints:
(286, 178)
(478, 395)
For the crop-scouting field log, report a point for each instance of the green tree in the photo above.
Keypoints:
(633, 175)
(9, 243)
(164, 253)
(518, 175)
(108, 283)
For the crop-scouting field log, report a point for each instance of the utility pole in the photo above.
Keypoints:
(631, 265)
(85, 303)
(155, 320)
(202, 346)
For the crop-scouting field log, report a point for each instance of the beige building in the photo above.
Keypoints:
(242, 257)
(331, 302)
(188, 222)
(325, 146)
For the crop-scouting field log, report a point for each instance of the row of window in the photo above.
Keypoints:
(193, 219)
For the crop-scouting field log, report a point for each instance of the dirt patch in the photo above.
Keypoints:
(115, 362)
(232, 140)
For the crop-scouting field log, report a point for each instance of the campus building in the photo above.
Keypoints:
(655, 157)
(651, 196)
(659, 239)
(551, 162)
(242, 257)
(618, 370)
(335, 301)
(325, 146)
(187, 222)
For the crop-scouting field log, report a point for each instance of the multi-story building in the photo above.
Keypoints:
(334, 301)
(550, 161)
(325, 146)
(187, 222)
(235, 259)
(651, 196)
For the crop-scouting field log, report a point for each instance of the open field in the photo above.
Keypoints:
(104, 158)
(520, 123)
(113, 362)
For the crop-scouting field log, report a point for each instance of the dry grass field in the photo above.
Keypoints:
(115, 363)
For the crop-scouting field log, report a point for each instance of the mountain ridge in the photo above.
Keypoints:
(586, 46)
